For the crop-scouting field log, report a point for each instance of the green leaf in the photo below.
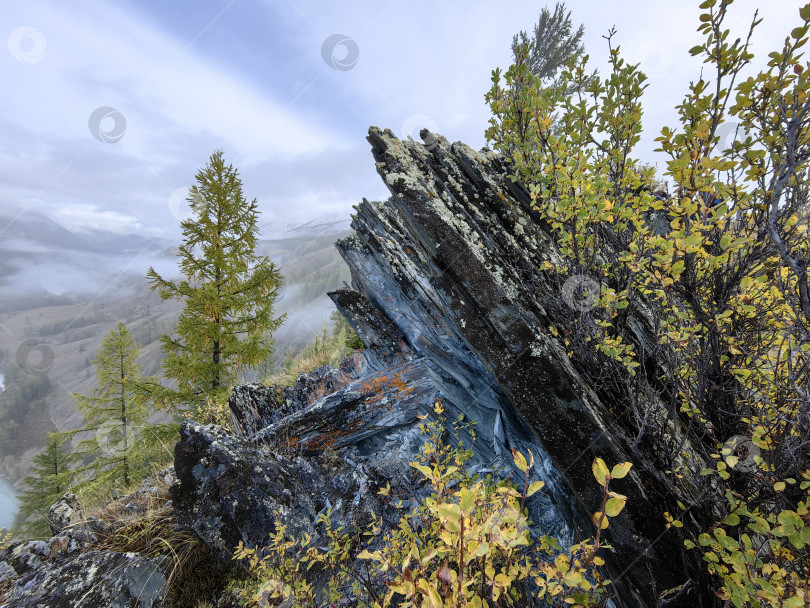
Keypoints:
(789, 518)
(520, 460)
(426, 471)
(451, 516)
(732, 519)
(696, 50)
(600, 471)
(467, 501)
(614, 506)
(621, 470)
(535, 487)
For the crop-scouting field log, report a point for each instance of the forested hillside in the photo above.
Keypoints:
(68, 329)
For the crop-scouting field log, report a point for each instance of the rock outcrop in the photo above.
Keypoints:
(74, 570)
(64, 512)
(451, 300)
(100, 579)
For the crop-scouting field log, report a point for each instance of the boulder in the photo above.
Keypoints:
(64, 512)
(101, 579)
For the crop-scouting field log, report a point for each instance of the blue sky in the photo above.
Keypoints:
(249, 76)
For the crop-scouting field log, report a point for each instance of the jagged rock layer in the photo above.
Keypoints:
(448, 297)
(452, 262)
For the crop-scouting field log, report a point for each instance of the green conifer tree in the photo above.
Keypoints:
(51, 476)
(228, 290)
(115, 414)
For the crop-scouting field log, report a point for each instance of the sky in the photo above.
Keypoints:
(108, 109)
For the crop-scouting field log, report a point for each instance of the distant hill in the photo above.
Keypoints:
(102, 276)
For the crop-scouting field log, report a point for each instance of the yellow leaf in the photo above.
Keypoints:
(596, 517)
(520, 460)
(535, 487)
(614, 506)
(600, 471)
(621, 470)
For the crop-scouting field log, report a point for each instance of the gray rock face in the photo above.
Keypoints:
(449, 297)
(65, 512)
(334, 454)
(97, 579)
(70, 570)
(255, 407)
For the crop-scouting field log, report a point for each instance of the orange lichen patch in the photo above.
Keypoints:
(382, 384)
(331, 434)
(381, 392)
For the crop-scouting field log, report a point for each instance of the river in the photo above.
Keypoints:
(8, 504)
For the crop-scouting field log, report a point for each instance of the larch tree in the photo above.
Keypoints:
(553, 45)
(540, 59)
(51, 476)
(115, 414)
(229, 293)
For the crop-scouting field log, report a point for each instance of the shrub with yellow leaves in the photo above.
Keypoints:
(468, 543)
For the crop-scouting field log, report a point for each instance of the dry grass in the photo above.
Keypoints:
(194, 574)
(326, 348)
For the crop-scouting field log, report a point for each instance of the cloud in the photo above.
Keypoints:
(249, 77)
(80, 218)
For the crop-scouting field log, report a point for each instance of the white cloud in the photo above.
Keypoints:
(243, 85)
(80, 218)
